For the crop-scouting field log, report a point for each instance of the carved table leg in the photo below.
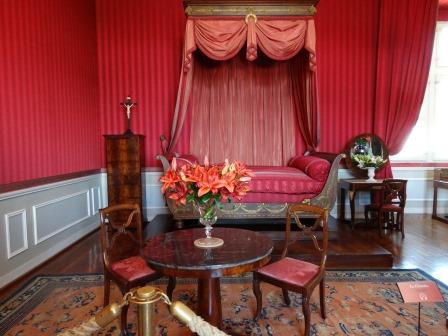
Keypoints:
(342, 208)
(209, 301)
(434, 203)
(351, 195)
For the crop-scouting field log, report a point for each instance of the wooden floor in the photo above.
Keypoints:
(425, 247)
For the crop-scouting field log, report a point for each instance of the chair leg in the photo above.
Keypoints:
(323, 311)
(170, 287)
(306, 313)
(286, 296)
(366, 215)
(258, 295)
(106, 290)
(402, 225)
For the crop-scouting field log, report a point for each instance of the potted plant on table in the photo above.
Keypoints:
(369, 162)
(206, 186)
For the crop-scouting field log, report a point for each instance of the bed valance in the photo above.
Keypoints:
(221, 38)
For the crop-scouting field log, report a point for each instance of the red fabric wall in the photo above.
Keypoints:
(49, 122)
(139, 52)
(347, 33)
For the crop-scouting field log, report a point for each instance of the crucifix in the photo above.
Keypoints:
(127, 106)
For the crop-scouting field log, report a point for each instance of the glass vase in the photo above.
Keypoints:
(207, 217)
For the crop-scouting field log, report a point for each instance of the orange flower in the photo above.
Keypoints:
(210, 181)
(224, 182)
(169, 180)
(181, 193)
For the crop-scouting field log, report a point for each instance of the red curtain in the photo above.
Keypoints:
(304, 95)
(242, 111)
(404, 57)
(221, 39)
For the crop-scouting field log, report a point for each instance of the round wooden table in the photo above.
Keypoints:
(174, 254)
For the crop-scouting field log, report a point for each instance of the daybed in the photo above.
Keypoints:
(311, 178)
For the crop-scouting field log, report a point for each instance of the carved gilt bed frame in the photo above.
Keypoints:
(325, 199)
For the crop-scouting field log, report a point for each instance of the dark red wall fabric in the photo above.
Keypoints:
(49, 121)
(346, 35)
(139, 51)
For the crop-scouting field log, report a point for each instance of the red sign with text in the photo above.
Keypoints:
(420, 291)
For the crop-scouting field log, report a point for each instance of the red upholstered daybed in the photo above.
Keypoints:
(310, 178)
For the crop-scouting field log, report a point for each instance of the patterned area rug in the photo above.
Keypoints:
(358, 303)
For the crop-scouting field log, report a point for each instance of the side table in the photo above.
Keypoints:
(353, 186)
(442, 184)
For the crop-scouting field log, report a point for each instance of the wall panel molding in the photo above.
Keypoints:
(43, 220)
(95, 200)
(50, 186)
(56, 207)
(9, 234)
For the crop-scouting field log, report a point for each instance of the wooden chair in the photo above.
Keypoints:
(296, 275)
(121, 241)
(388, 205)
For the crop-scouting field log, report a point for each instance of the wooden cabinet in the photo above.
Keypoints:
(124, 158)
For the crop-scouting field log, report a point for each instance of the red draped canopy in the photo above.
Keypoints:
(282, 39)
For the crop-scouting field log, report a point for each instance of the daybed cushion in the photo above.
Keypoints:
(285, 180)
(314, 167)
(186, 159)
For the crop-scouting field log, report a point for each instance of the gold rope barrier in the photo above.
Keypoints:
(144, 298)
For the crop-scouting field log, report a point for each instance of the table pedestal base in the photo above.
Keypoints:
(209, 301)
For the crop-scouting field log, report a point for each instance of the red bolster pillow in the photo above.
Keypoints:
(314, 167)
(186, 159)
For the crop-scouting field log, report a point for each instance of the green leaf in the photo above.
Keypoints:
(205, 198)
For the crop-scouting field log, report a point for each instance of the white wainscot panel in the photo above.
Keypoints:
(95, 195)
(16, 233)
(153, 200)
(57, 215)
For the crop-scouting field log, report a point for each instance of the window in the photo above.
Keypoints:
(428, 140)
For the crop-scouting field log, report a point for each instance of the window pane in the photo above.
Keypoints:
(439, 129)
(442, 45)
(416, 147)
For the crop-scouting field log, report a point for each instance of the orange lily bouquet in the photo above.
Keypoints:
(206, 184)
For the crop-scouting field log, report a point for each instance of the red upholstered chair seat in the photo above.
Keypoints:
(391, 207)
(292, 271)
(132, 268)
